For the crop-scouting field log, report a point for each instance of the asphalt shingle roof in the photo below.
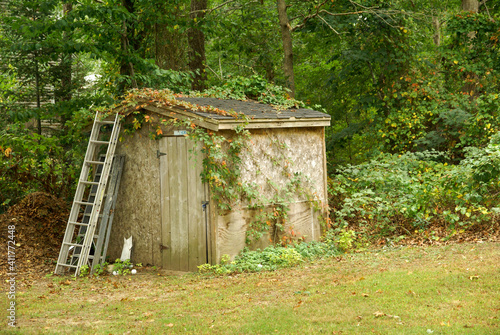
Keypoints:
(252, 109)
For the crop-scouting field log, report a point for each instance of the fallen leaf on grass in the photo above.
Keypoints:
(67, 282)
(365, 295)
(379, 314)
(473, 277)
(298, 304)
(170, 325)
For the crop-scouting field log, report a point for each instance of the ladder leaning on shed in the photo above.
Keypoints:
(87, 233)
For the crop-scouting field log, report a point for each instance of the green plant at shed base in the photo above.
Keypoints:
(271, 258)
(122, 267)
(100, 268)
(84, 270)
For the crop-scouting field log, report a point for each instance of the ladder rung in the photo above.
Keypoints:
(98, 142)
(89, 182)
(68, 265)
(95, 162)
(105, 122)
(84, 203)
(73, 244)
(78, 223)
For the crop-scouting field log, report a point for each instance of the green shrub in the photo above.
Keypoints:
(271, 258)
(414, 190)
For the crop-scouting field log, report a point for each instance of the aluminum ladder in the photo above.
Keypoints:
(86, 217)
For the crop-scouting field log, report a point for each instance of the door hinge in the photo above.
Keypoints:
(163, 247)
(159, 154)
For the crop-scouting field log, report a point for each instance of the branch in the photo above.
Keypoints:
(216, 74)
(211, 10)
(329, 26)
(487, 10)
(308, 17)
(219, 6)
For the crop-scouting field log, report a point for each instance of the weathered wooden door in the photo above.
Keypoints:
(185, 232)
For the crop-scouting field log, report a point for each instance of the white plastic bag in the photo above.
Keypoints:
(127, 248)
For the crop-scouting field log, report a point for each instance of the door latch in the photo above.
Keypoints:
(204, 205)
(163, 247)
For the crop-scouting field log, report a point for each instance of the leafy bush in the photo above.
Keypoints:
(271, 258)
(30, 162)
(253, 87)
(414, 190)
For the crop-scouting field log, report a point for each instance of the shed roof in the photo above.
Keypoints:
(252, 109)
(217, 114)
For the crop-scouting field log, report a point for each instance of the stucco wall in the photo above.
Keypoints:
(276, 155)
(137, 211)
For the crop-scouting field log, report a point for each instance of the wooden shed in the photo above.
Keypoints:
(171, 205)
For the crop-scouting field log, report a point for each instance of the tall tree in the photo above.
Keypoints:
(470, 5)
(30, 46)
(197, 58)
(127, 33)
(286, 37)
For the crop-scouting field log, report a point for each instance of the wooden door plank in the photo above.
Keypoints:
(165, 204)
(210, 222)
(174, 186)
(203, 214)
(182, 175)
(196, 191)
(193, 205)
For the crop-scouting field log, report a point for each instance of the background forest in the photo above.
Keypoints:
(412, 87)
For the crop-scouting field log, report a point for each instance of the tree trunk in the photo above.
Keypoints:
(196, 40)
(471, 86)
(170, 48)
(437, 30)
(38, 95)
(126, 66)
(169, 41)
(470, 6)
(286, 36)
(65, 72)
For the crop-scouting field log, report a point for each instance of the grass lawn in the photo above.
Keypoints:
(453, 289)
